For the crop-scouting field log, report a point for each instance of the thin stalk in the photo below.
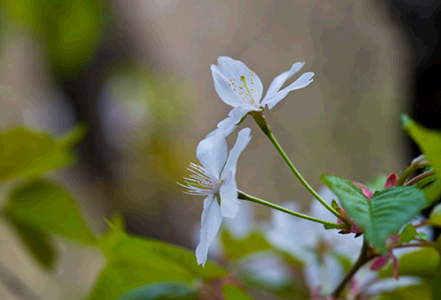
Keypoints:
(423, 244)
(364, 257)
(409, 171)
(243, 196)
(419, 178)
(260, 120)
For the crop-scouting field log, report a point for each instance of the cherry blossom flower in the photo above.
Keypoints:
(320, 249)
(240, 87)
(216, 180)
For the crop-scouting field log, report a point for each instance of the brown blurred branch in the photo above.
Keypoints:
(16, 285)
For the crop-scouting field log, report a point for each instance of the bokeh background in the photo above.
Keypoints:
(137, 72)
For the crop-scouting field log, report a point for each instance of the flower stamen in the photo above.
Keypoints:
(245, 84)
(200, 181)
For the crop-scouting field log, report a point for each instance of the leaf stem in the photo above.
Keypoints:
(409, 171)
(364, 257)
(419, 178)
(260, 120)
(243, 196)
(422, 244)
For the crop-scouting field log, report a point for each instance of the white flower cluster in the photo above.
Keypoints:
(241, 88)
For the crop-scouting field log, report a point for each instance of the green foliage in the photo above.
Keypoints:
(435, 279)
(232, 292)
(435, 216)
(334, 204)
(162, 291)
(422, 263)
(72, 31)
(408, 234)
(71, 28)
(343, 260)
(253, 243)
(134, 262)
(46, 207)
(25, 153)
(38, 243)
(429, 142)
(381, 216)
(412, 292)
(238, 248)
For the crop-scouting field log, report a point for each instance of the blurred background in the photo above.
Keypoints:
(137, 72)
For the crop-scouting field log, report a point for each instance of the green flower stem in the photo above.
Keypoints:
(243, 196)
(260, 119)
(409, 171)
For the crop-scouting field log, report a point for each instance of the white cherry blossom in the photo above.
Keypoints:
(215, 178)
(241, 88)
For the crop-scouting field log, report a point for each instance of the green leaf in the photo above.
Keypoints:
(47, 207)
(435, 280)
(422, 263)
(72, 32)
(238, 248)
(72, 137)
(408, 234)
(116, 244)
(381, 216)
(27, 153)
(125, 273)
(412, 292)
(134, 262)
(435, 216)
(334, 204)
(344, 261)
(162, 291)
(38, 243)
(232, 292)
(429, 142)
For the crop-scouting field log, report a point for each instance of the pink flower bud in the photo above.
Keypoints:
(379, 263)
(391, 180)
(367, 192)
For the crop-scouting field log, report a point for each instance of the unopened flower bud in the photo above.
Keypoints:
(420, 162)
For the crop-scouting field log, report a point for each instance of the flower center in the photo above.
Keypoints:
(243, 91)
(200, 181)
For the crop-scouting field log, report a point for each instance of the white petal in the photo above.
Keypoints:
(216, 250)
(210, 223)
(280, 79)
(242, 141)
(230, 70)
(235, 115)
(228, 195)
(328, 275)
(302, 82)
(267, 268)
(223, 87)
(212, 152)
